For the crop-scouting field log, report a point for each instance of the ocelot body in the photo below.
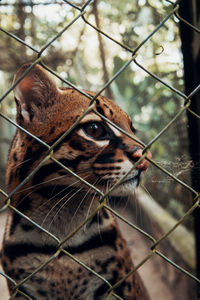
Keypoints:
(59, 202)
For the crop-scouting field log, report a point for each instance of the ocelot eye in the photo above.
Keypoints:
(95, 130)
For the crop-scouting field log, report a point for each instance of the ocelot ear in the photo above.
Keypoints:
(34, 94)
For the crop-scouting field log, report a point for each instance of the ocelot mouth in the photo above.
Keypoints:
(128, 185)
(133, 179)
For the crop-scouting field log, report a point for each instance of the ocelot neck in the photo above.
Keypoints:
(61, 212)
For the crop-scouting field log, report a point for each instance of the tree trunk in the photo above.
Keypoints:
(190, 11)
(108, 91)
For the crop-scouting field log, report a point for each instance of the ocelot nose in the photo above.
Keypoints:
(137, 154)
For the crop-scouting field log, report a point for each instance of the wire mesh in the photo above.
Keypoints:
(81, 15)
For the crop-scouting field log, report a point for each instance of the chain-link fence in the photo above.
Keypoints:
(81, 16)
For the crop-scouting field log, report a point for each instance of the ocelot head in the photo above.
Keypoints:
(94, 149)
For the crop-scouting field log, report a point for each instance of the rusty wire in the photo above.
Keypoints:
(82, 15)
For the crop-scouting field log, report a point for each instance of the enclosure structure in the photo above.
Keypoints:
(41, 55)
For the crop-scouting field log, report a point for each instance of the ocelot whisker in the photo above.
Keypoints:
(91, 202)
(64, 204)
(50, 180)
(40, 184)
(78, 207)
(60, 200)
(60, 192)
(44, 203)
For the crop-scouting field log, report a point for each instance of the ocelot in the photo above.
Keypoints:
(58, 202)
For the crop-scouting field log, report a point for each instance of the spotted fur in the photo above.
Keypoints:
(57, 201)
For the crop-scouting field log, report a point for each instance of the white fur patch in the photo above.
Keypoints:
(115, 130)
(102, 143)
(90, 117)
